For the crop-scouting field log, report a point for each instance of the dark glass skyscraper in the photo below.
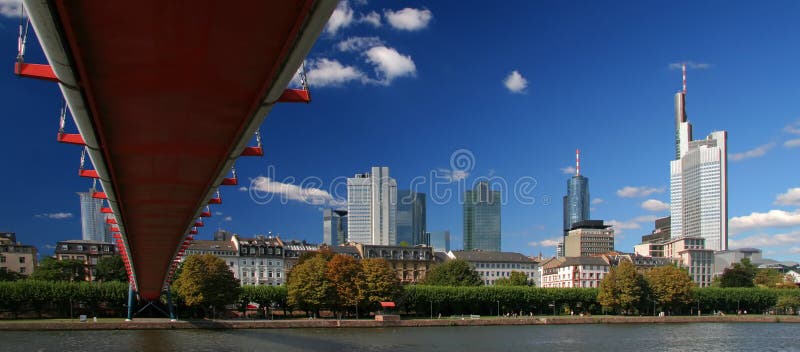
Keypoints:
(411, 225)
(482, 218)
(334, 227)
(576, 202)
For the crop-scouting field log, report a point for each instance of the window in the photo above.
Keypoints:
(79, 247)
(22, 270)
(2, 259)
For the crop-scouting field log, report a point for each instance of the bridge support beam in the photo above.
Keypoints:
(130, 303)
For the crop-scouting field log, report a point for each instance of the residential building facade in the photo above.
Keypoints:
(260, 260)
(224, 249)
(495, 265)
(690, 253)
(410, 263)
(482, 218)
(89, 252)
(372, 208)
(573, 272)
(16, 257)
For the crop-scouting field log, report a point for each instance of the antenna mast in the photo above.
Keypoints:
(577, 162)
(683, 68)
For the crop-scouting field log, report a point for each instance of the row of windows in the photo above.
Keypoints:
(503, 266)
(3, 259)
(260, 262)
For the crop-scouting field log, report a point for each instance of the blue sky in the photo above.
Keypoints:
(516, 87)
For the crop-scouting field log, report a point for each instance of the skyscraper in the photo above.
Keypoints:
(699, 182)
(482, 218)
(411, 225)
(372, 208)
(576, 202)
(440, 241)
(334, 227)
(93, 222)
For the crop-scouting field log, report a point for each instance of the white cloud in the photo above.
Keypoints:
(633, 224)
(752, 153)
(228, 218)
(793, 128)
(359, 43)
(598, 201)
(218, 213)
(655, 205)
(569, 170)
(791, 197)
(54, 216)
(792, 143)
(771, 219)
(515, 82)
(288, 191)
(451, 175)
(389, 64)
(49, 246)
(689, 65)
(408, 19)
(372, 18)
(636, 192)
(550, 242)
(328, 72)
(11, 8)
(342, 17)
(766, 240)
(243, 189)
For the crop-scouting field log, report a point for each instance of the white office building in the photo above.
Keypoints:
(372, 208)
(699, 183)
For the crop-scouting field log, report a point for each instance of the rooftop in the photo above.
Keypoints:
(482, 256)
(206, 245)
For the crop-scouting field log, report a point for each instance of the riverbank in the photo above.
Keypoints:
(155, 324)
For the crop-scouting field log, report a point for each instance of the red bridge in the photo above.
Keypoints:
(166, 95)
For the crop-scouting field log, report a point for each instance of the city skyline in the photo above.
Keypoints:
(520, 108)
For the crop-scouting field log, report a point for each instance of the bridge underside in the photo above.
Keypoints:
(166, 95)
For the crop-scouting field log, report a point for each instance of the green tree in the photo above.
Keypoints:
(622, 288)
(205, 281)
(455, 272)
(381, 283)
(670, 286)
(50, 269)
(6, 275)
(768, 278)
(347, 277)
(738, 275)
(111, 268)
(516, 278)
(308, 285)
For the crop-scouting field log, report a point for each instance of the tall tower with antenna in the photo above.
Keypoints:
(576, 202)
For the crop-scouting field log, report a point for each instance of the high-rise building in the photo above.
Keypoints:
(576, 202)
(222, 235)
(411, 217)
(334, 227)
(93, 222)
(699, 182)
(482, 218)
(372, 208)
(661, 232)
(589, 237)
(440, 241)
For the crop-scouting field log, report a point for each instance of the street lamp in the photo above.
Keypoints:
(498, 308)
(554, 307)
(431, 309)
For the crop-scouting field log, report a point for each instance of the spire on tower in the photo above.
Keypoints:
(577, 162)
(683, 68)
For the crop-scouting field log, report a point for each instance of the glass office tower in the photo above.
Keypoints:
(411, 217)
(482, 218)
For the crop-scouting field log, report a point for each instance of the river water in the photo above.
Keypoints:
(666, 337)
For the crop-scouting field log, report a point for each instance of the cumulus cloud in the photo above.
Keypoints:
(752, 153)
(372, 18)
(632, 224)
(54, 216)
(11, 8)
(793, 128)
(342, 17)
(515, 83)
(689, 65)
(451, 175)
(766, 240)
(408, 19)
(636, 192)
(655, 205)
(228, 218)
(330, 72)
(265, 188)
(792, 143)
(358, 43)
(550, 242)
(569, 170)
(791, 197)
(243, 189)
(389, 64)
(598, 201)
(218, 213)
(771, 219)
